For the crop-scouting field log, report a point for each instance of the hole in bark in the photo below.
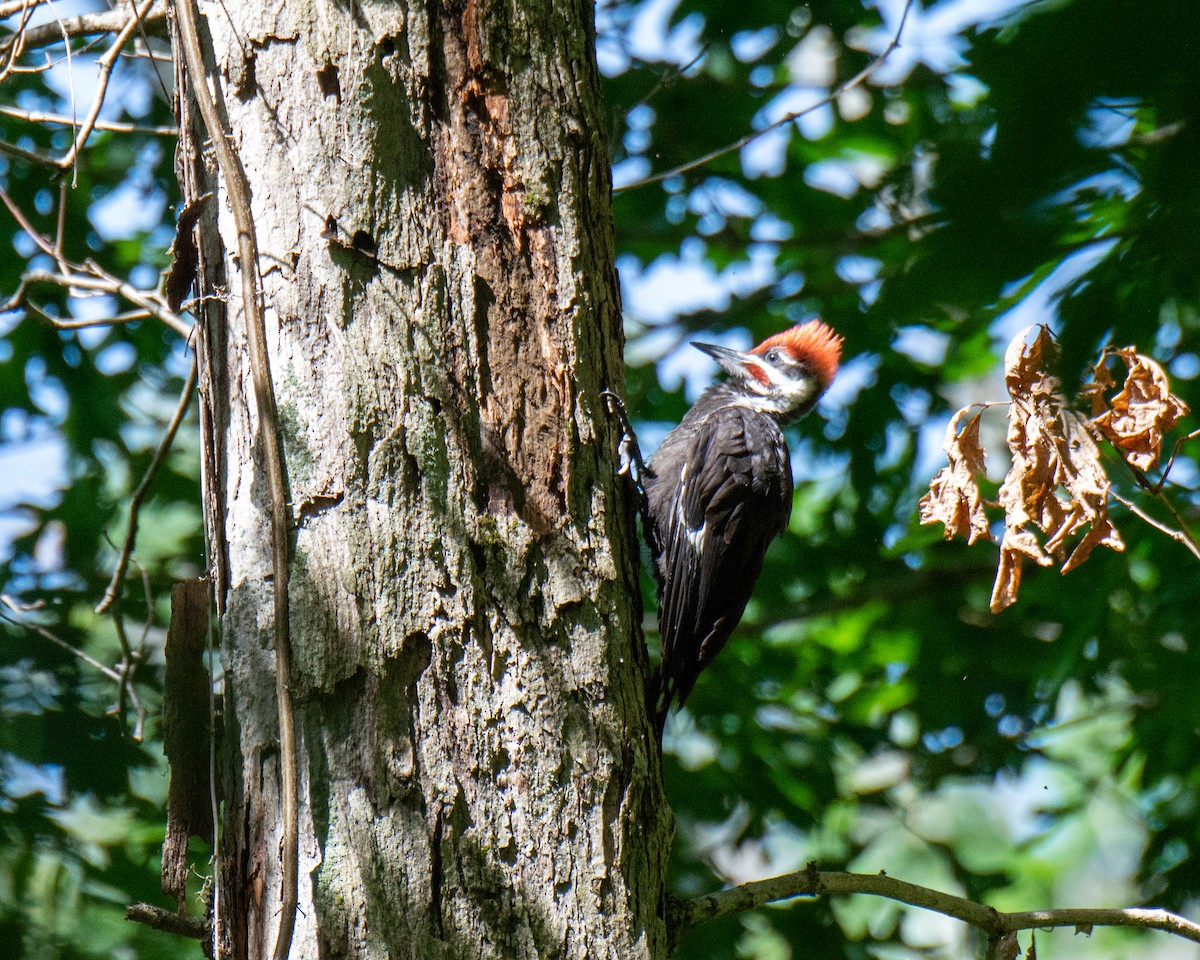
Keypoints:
(363, 242)
(388, 46)
(327, 80)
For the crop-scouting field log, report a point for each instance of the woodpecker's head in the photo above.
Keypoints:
(785, 374)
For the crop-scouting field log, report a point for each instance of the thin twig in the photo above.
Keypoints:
(1161, 482)
(670, 76)
(857, 80)
(1179, 536)
(238, 191)
(121, 676)
(41, 242)
(145, 38)
(85, 25)
(105, 65)
(814, 883)
(98, 280)
(58, 641)
(139, 495)
(21, 153)
(130, 317)
(49, 62)
(66, 39)
(112, 126)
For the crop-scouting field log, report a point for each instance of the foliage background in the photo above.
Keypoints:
(1010, 162)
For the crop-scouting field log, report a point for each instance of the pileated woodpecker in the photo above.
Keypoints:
(720, 490)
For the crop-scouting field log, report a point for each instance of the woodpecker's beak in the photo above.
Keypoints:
(734, 361)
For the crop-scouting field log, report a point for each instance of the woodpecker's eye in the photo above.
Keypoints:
(772, 356)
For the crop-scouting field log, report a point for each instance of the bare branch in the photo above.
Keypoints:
(14, 151)
(818, 883)
(168, 921)
(13, 7)
(86, 25)
(139, 495)
(1144, 918)
(20, 621)
(1179, 536)
(99, 281)
(18, 214)
(855, 81)
(113, 126)
(811, 882)
(122, 676)
(105, 65)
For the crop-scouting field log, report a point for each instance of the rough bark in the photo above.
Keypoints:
(477, 774)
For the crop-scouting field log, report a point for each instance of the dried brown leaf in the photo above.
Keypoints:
(1056, 482)
(1017, 544)
(1102, 533)
(1102, 381)
(1144, 410)
(954, 497)
(1027, 367)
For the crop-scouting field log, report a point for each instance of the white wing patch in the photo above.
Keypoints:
(695, 538)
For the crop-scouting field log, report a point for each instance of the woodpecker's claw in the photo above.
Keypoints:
(632, 465)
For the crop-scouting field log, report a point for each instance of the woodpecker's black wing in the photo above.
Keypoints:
(720, 490)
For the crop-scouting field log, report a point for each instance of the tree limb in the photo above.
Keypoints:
(811, 882)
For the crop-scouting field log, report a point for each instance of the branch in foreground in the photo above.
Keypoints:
(811, 882)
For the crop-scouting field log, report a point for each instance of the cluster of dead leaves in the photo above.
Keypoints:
(1057, 487)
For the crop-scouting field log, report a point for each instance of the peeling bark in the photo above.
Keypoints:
(478, 775)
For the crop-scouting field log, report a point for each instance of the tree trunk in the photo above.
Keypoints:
(476, 770)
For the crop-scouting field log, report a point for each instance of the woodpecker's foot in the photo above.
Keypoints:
(632, 465)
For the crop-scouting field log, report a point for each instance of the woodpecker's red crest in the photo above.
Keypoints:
(720, 490)
(785, 374)
(813, 343)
